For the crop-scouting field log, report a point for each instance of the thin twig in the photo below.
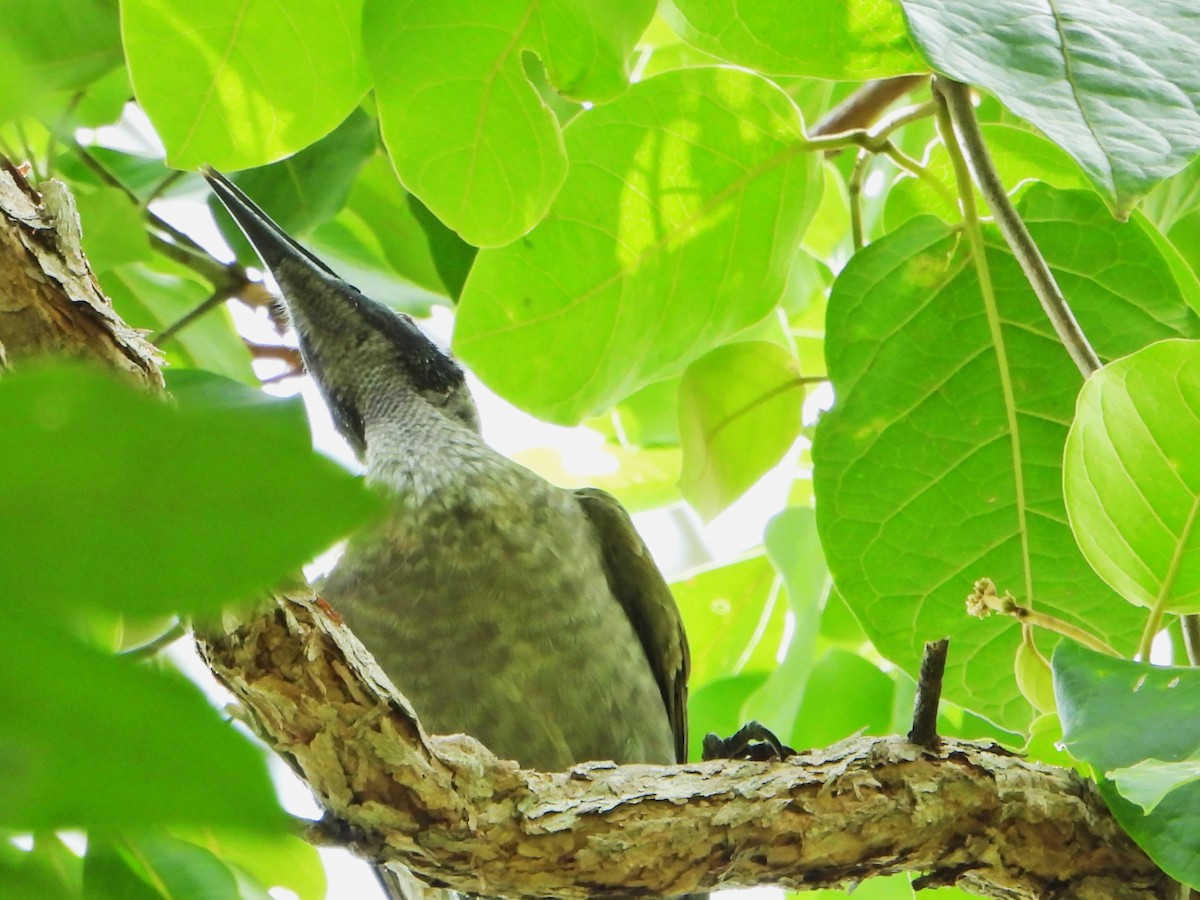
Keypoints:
(215, 299)
(866, 104)
(912, 167)
(929, 694)
(228, 278)
(152, 647)
(957, 97)
(177, 245)
(905, 116)
(854, 188)
(169, 180)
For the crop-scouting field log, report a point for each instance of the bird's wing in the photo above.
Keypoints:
(641, 589)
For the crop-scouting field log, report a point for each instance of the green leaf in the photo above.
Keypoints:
(237, 84)
(114, 232)
(273, 860)
(179, 869)
(104, 100)
(387, 231)
(918, 484)
(1054, 64)
(140, 175)
(62, 44)
(1146, 783)
(173, 497)
(183, 748)
(1131, 477)
(49, 869)
(1175, 198)
(466, 130)
(675, 229)
(1032, 671)
(739, 413)
(649, 417)
(846, 40)
(110, 875)
(1117, 713)
(795, 549)
(868, 707)
(734, 616)
(306, 189)
(1181, 268)
(641, 478)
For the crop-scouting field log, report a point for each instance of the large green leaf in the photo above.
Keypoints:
(114, 232)
(159, 505)
(306, 189)
(868, 707)
(845, 40)
(1132, 476)
(387, 232)
(1117, 713)
(274, 860)
(61, 44)
(795, 549)
(734, 615)
(940, 464)
(235, 83)
(676, 229)
(1147, 783)
(48, 869)
(1113, 84)
(466, 130)
(739, 412)
(73, 716)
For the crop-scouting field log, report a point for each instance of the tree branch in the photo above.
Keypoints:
(957, 97)
(50, 301)
(967, 813)
(866, 104)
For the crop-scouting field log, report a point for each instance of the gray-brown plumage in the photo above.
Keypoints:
(528, 616)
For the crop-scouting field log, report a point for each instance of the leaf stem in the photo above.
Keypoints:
(154, 645)
(854, 187)
(984, 599)
(912, 167)
(957, 99)
(974, 233)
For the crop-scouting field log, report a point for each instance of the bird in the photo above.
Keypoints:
(529, 616)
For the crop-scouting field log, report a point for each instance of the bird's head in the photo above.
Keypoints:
(367, 359)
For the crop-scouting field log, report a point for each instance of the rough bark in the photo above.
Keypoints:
(966, 813)
(50, 302)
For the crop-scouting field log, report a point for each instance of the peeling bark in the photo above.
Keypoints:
(966, 813)
(50, 302)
